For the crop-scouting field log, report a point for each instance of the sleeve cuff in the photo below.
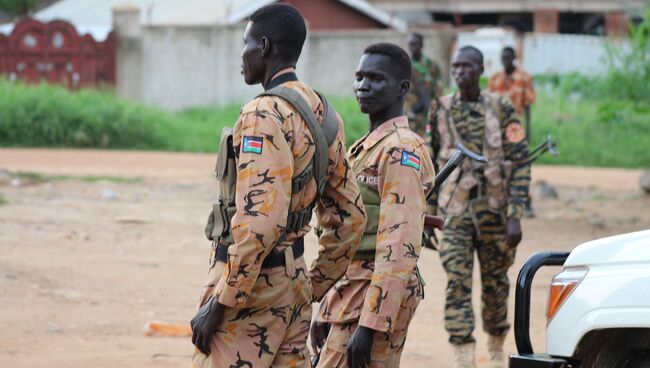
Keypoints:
(515, 211)
(375, 322)
(229, 296)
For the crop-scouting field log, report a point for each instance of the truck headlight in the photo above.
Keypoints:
(562, 286)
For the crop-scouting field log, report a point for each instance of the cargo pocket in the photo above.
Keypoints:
(460, 196)
(496, 190)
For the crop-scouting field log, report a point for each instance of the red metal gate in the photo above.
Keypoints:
(56, 53)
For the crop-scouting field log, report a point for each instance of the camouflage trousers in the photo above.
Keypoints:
(386, 347)
(483, 232)
(271, 330)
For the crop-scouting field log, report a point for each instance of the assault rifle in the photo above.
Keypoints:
(432, 222)
(436, 222)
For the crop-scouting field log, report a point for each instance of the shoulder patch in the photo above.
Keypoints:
(410, 159)
(515, 132)
(252, 144)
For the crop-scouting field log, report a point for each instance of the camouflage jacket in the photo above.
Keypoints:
(469, 120)
(518, 87)
(272, 144)
(394, 161)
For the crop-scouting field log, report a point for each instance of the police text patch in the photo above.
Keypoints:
(410, 159)
(252, 144)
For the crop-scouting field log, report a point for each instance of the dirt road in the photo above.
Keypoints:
(115, 240)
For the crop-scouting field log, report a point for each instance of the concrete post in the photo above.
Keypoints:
(128, 32)
(546, 21)
(616, 24)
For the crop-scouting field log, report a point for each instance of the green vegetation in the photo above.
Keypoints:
(3, 200)
(19, 7)
(597, 121)
(50, 116)
(593, 132)
(41, 178)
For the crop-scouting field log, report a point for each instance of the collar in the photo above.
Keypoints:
(458, 104)
(386, 128)
(283, 76)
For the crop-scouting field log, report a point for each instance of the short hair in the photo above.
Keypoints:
(401, 62)
(418, 36)
(283, 25)
(509, 49)
(474, 50)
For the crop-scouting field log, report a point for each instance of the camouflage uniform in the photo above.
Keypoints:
(483, 198)
(381, 289)
(518, 87)
(424, 86)
(269, 309)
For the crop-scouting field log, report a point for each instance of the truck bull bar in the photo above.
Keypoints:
(526, 357)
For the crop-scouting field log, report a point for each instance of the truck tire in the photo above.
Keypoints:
(622, 348)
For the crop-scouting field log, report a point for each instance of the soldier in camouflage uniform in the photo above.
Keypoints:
(370, 308)
(482, 204)
(255, 310)
(425, 75)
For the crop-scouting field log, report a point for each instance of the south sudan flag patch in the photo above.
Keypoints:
(253, 144)
(410, 159)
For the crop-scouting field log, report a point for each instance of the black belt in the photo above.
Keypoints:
(273, 259)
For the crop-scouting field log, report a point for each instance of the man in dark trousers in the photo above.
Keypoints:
(482, 205)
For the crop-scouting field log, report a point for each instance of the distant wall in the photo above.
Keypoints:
(543, 53)
(182, 66)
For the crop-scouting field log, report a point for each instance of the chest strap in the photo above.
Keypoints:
(324, 135)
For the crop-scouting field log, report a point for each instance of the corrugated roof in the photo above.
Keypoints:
(95, 16)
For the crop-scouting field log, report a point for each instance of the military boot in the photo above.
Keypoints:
(495, 351)
(464, 355)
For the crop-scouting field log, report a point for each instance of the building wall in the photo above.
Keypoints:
(477, 6)
(330, 15)
(182, 67)
(544, 53)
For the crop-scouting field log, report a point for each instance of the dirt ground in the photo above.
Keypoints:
(86, 261)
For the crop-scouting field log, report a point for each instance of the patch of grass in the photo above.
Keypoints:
(593, 132)
(41, 178)
(3, 200)
(590, 131)
(30, 176)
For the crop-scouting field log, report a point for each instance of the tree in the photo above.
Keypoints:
(19, 8)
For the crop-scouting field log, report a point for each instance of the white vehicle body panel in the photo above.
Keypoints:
(615, 293)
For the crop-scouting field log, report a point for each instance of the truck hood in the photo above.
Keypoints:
(625, 248)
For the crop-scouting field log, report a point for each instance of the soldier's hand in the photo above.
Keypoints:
(359, 347)
(513, 232)
(318, 333)
(205, 324)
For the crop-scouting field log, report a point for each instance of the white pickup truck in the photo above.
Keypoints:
(598, 309)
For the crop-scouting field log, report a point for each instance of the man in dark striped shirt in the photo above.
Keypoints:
(482, 205)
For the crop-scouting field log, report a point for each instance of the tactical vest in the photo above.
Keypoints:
(372, 203)
(455, 192)
(223, 210)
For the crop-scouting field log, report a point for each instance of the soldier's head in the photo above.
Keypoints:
(467, 67)
(273, 40)
(383, 78)
(508, 58)
(415, 45)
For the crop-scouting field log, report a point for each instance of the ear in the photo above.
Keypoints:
(265, 46)
(404, 87)
(481, 69)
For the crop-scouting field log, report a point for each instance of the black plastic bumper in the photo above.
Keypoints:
(537, 361)
(526, 358)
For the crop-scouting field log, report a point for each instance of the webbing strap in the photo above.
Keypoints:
(324, 135)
